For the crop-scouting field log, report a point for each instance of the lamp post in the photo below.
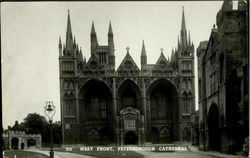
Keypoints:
(50, 111)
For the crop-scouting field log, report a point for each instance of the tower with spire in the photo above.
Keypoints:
(182, 59)
(103, 53)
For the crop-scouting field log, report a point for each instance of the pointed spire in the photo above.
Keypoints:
(183, 23)
(69, 38)
(183, 31)
(178, 43)
(69, 23)
(60, 46)
(172, 55)
(60, 42)
(143, 50)
(189, 39)
(80, 55)
(143, 54)
(84, 60)
(178, 40)
(110, 28)
(93, 28)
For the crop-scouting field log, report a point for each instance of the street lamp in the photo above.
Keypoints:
(50, 111)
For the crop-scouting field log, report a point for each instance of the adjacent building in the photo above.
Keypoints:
(223, 81)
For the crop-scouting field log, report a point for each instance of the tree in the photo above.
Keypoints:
(35, 123)
(15, 127)
(57, 132)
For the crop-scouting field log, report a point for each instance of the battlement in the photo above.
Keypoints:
(20, 133)
(231, 6)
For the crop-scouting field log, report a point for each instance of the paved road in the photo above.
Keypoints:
(177, 154)
(58, 154)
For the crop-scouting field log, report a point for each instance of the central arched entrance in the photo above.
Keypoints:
(129, 95)
(130, 138)
(213, 128)
(162, 96)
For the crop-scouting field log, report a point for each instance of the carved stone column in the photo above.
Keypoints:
(114, 101)
(144, 102)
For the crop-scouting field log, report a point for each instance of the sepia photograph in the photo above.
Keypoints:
(125, 79)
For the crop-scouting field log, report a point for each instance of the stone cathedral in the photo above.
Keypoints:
(129, 105)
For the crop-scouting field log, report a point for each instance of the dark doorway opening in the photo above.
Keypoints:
(154, 135)
(22, 146)
(130, 138)
(14, 143)
(213, 128)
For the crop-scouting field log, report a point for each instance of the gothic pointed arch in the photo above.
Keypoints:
(95, 106)
(129, 95)
(213, 127)
(162, 97)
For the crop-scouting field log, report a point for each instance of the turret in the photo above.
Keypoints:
(227, 5)
(60, 46)
(110, 38)
(111, 47)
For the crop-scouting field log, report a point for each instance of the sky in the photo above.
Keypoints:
(30, 34)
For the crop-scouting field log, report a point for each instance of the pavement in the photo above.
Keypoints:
(58, 154)
(213, 153)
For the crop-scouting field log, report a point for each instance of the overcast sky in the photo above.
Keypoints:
(30, 32)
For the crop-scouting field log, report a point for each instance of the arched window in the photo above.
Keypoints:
(186, 103)
(69, 104)
(103, 108)
(71, 85)
(128, 98)
(65, 85)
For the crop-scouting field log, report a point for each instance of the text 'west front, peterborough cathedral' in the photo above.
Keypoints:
(103, 105)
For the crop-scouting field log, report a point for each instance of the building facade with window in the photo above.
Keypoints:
(223, 82)
(128, 105)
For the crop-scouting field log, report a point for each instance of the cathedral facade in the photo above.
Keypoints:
(103, 105)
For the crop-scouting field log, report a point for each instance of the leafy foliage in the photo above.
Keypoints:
(36, 124)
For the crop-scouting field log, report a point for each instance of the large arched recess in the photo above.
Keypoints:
(213, 128)
(95, 107)
(163, 108)
(129, 95)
